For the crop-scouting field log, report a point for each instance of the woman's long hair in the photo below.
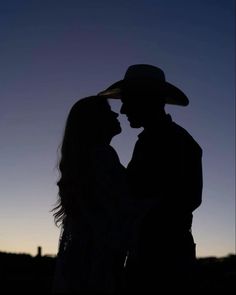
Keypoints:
(83, 129)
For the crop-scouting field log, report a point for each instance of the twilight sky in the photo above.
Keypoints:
(53, 53)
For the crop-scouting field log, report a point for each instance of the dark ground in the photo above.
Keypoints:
(22, 273)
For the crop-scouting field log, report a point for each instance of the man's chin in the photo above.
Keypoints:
(135, 125)
(117, 131)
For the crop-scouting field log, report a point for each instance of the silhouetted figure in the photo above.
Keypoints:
(165, 167)
(91, 187)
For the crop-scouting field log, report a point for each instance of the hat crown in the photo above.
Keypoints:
(144, 71)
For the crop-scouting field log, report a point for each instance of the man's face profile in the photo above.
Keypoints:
(132, 107)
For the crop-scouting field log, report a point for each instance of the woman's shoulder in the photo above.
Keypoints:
(106, 148)
(104, 152)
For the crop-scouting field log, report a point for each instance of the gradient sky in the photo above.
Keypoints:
(53, 53)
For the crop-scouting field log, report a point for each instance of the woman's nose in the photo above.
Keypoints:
(122, 109)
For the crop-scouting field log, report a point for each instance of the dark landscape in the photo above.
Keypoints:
(25, 273)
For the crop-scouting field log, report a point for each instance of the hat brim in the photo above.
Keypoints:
(173, 95)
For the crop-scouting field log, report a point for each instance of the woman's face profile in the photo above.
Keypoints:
(94, 120)
(109, 120)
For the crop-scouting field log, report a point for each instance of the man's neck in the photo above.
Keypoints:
(159, 119)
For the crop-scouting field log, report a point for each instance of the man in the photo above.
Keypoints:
(166, 168)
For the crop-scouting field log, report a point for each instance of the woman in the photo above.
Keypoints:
(90, 205)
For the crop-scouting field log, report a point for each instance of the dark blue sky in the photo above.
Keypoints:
(55, 52)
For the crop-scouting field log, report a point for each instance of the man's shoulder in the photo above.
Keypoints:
(181, 131)
(185, 137)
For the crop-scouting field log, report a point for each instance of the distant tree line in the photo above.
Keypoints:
(25, 273)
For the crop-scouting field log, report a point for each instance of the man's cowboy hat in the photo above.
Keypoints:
(150, 78)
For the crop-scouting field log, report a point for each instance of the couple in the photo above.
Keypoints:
(128, 229)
